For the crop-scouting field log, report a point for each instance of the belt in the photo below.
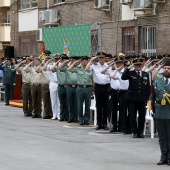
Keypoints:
(102, 84)
(36, 84)
(63, 85)
(159, 102)
(85, 86)
(72, 85)
(119, 90)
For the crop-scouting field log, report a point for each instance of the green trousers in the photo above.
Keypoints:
(46, 100)
(27, 100)
(84, 95)
(163, 128)
(72, 103)
(62, 95)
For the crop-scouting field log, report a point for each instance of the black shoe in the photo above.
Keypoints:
(86, 123)
(98, 127)
(61, 120)
(113, 130)
(125, 133)
(66, 120)
(34, 116)
(105, 127)
(26, 114)
(6, 104)
(162, 162)
(70, 121)
(46, 117)
(168, 162)
(141, 136)
(76, 121)
(135, 135)
(81, 123)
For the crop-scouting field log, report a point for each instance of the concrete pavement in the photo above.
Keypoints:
(37, 144)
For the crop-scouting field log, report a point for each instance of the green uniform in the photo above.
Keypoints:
(162, 116)
(26, 91)
(8, 79)
(84, 91)
(71, 95)
(45, 91)
(62, 93)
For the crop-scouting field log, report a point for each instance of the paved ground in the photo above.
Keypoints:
(37, 144)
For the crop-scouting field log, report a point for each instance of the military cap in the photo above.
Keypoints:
(101, 54)
(156, 57)
(47, 52)
(167, 63)
(127, 63)
(9, 59)
(84, 58)
(109, 55)
(138, 61)
(166, 56)
(118, 60)
(121, 55)
(47, 58)
(36, 58)
(29, 58)
(142, 56)
(63, 56)
(1, 58)
(56, 55)
(133, 56)
(127, 57)
(76, 57)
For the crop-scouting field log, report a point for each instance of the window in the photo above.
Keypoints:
(8, 19)
(128, 41)
(28, 4)
(94, 42)
(58, 1)
(148, 40)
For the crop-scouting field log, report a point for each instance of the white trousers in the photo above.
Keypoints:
(55, 103)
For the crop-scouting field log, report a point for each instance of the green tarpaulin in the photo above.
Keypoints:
(71, 40)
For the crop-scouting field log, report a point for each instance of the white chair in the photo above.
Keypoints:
(149, 118)
(93, 108)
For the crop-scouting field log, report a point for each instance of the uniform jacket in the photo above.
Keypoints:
(9, 74)
(161, 112)
(139, 86)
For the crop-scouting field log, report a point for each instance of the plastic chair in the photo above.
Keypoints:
(93, 108)
(149, 118)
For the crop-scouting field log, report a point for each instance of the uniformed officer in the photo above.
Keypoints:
(35, 87)
(101, 89)
(26, 86)
(47, 112)
(9, 78)
(138, 95)
(62, 87)
(55, 103)
(162, 115)
(84, 89)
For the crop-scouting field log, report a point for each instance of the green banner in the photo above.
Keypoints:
(71, 40)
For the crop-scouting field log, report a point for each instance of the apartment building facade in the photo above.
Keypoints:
(129, 26)
(4, 25)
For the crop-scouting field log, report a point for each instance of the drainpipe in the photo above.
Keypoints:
(48, 5)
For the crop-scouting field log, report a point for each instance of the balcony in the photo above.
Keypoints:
(4, 3)
(5, 32)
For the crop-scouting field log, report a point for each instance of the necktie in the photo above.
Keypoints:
(166, 81)
(138, 73)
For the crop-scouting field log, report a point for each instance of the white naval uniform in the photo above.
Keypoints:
(55, 103)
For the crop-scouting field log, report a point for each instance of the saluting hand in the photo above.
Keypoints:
(130, 66)
(120, 68)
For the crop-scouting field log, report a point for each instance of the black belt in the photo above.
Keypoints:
(63, 85)
(36, 84)
(102, 84)
(120, 90)
(27, 83)
(159, 102)
(72, 85)
(85, 86)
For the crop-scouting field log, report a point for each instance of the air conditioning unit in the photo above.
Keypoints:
(141, 4)
(125, 2)
(99, 4)
(39, 36)
(41, 16)
(51, 16)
